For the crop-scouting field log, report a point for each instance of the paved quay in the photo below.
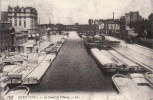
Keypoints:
(30, 62)
(139, 53)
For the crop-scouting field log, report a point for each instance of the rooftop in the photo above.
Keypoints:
(18, 9)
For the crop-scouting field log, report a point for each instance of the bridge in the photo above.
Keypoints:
(61, 27)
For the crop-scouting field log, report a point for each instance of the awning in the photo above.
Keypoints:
(29, 45)
(37, 34)
(20, 45)
(97, 36)
(33, 35)
(29, 35)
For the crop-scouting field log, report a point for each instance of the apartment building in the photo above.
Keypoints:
(26, 17)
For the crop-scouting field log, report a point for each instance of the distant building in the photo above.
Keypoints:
(5, 37)
(125, 21)
(42, 30)
(107, 26)
(4, 16)
(132, 17)
(19, 37)
(26, 17)
(87, 29)
(90, 21)
(122, 23)
(112, 25)
(123, 27)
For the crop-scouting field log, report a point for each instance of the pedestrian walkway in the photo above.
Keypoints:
(141, 58)
(136, 48)
(139, 53)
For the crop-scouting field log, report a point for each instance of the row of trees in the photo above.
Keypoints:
(143, 28)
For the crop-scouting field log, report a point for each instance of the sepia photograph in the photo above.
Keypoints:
(76, 49)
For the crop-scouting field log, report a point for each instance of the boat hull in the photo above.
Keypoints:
(35, 81)
(108, 71)
(147, 77)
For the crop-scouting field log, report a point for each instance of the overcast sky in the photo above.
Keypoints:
(72, 11)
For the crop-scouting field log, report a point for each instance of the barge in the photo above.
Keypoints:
(126, 87)
(121, 67)
(36, 75)
(105, 63)
(149, 77)
(132, 67)
(143, 84)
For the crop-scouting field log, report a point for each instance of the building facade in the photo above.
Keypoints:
(125, 30)
(5, 37)
(26, 17)
(106, 26)
(19, 37)
(4, 16)
(132, 17)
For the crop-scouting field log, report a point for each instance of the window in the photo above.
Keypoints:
(24, 23)
(20, 23)
(10, 21)
(2, 43)
(24, 10)
(15, 14)
(15, 24)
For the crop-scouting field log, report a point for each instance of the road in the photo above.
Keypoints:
(74, 70)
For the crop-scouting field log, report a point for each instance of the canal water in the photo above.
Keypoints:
(74, 69)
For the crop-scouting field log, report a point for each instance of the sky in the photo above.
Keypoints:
(79, 11)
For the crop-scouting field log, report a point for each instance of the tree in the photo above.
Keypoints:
(141, 27)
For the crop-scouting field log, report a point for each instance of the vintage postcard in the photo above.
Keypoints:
(76, 49)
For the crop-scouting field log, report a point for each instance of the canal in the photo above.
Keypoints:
(74, 70)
